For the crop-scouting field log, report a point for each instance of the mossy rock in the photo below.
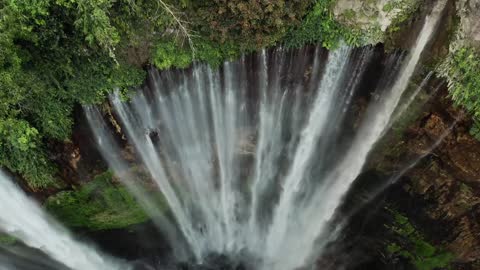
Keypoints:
(411, 244)
(99, 205)
(7, 240)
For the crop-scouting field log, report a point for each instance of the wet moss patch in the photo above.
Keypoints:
(99, 205)
(410, 244)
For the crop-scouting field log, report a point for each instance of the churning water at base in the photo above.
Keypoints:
(251, 158)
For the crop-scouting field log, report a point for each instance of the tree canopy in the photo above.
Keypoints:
(55, 54)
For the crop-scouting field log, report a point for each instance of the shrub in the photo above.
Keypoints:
(320, 26)
(462, 69)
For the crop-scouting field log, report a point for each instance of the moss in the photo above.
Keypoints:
(411, 244)
(6, 240)
(98, 205)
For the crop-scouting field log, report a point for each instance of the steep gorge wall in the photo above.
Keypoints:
(439, 194)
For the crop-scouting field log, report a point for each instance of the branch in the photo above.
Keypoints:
(180, 25)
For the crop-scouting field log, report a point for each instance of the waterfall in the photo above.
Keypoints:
(250, 157)
(25, 220)
(312, 219)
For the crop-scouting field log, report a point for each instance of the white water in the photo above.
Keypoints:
(25, 220)
(313, 218)
(247, 159)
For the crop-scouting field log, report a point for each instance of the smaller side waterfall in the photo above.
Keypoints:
(23, 219)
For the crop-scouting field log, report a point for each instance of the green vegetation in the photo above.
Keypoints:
(405, 8)
(412, 245)
(247, 24)
(6, 240)
(475, 130)
(462, 69)
(320, 26)
(171, 54)
(99, 204)
(55, 54)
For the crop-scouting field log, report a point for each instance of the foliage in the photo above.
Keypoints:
(412, 245)
(320, 26)
(461, 70)
(20, 151)
(225, 29)
(252, 24)
(99, 204)
(94, 80)
(405, 9)
(168, 54)
(475, 130)
(214, 54)
(53, 54)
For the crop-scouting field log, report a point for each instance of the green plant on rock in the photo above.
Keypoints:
(475, 130)
(250, 24)
(169, 54)
(319, 25)
(462, 69)
(98, 205)
(412, 245)
(405, 9)
(7, 240)
(21, 152)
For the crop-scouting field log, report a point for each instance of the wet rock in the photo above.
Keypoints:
(440, 192)
(469, 13)
(459, 150)
(373, 17)
(467, 241)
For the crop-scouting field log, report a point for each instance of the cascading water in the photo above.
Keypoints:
(250, 158)
(22, 218)
(237, 159)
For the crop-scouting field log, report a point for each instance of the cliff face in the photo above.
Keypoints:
(449, 185)
(469, 12)
(422, 185)
(438, 190)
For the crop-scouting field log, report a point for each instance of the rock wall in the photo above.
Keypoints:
(374, 17)
(439, 190)
(469, 14)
